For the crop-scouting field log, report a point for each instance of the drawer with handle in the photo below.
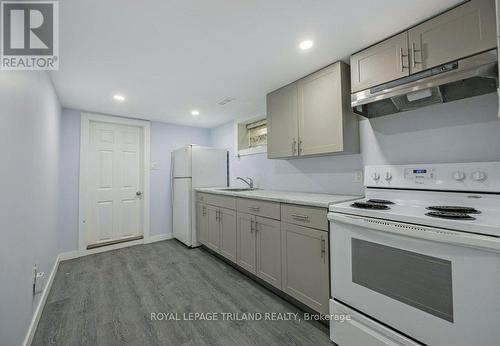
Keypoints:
(227, 202)
(305, 216)
(258, 207)
(201, 197)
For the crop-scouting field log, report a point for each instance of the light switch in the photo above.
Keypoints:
(358, 176)
(155, 166)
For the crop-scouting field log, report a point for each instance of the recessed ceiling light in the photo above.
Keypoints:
(195, 112)
(118, 97)
(307, 44)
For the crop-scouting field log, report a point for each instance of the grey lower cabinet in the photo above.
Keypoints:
(305, 265)
(202, 222)
(221, 231)
(213, 240)
(227, 222)
(259, 247)
(246, 253)
(268, 250)
(286, 255)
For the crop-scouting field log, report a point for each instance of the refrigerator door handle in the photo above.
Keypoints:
(172, 162)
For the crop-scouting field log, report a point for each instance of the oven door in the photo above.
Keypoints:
(424, 282)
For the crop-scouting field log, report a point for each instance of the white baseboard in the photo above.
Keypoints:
(39, 309)
(69, 255)
(160, 237)
(75, 254)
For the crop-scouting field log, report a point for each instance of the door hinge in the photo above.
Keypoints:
(323, 247)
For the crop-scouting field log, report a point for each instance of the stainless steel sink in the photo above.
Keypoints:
(238, 189)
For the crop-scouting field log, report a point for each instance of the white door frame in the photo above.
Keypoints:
(86, 118)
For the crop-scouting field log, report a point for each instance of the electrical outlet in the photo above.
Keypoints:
(358, 176)
(38, 280)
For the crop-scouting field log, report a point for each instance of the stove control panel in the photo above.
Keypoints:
(419, 176)
(476, 176)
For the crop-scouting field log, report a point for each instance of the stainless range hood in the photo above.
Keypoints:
(468, 77)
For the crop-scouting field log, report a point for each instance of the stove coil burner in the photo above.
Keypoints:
(379, 201)
(450, 215)
(454, 209)
(366, 205)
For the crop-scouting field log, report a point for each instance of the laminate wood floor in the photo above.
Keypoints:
(108, 298)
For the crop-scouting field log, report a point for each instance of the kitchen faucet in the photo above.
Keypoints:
(248, 181)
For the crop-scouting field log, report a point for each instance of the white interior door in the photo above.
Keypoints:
(115, 182)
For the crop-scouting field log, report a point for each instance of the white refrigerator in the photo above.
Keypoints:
(192, 167)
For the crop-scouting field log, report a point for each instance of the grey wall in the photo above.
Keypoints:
(69, 180)
(29, 148)
(462, 131)
(164, 139)
(321, 174)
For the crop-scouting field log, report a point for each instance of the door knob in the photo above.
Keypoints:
(138, 193)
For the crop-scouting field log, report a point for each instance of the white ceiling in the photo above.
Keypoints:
(169, 57)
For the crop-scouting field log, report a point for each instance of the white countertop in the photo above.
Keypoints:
(303, 198)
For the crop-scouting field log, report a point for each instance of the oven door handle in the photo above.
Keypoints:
(465, 239)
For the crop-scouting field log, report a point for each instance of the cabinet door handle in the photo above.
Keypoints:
(300, 146)
(323, 248)
(402, 56)
(294, 146)
(204, 211)
(220, 216)
(300, 217)
(256, 226)
(413, 51)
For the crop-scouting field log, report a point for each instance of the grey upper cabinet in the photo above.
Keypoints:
(227, 221)
(282, 122)
(305, 265)
(463, 31)
(245, 253)
(202, 222)
(313, 116)
(381, 63)
(268, 250)
(321, 111)
(458, 33)
(213, 241)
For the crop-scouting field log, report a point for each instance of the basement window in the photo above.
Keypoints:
(251, 136)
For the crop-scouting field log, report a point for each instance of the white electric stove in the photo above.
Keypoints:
(417, 261)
